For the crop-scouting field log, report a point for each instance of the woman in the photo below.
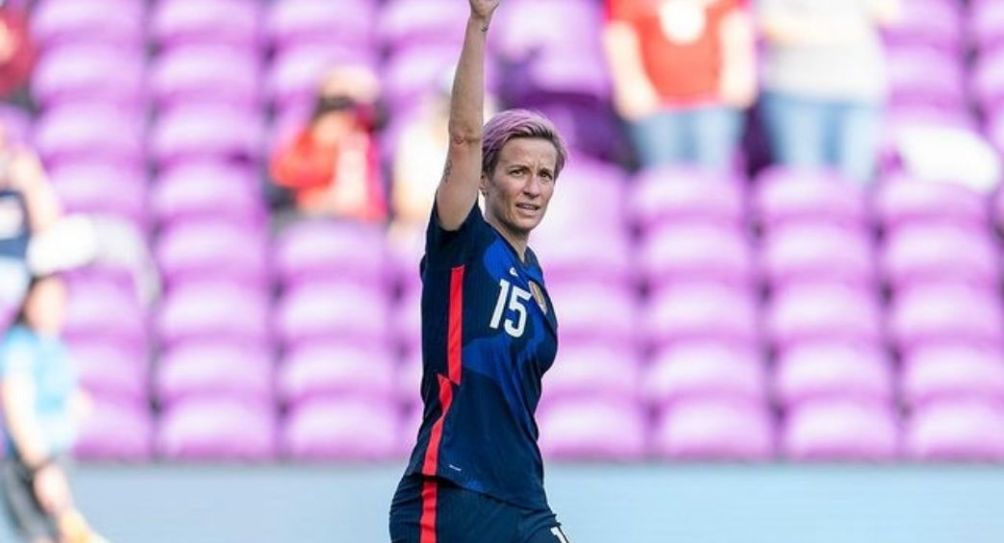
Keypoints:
(489, 331)
(40, 403)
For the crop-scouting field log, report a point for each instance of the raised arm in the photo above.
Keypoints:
(458, 189)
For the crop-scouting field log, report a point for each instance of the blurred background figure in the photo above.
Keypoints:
(17, 52)
(332, 164)
(28, 205)
(683, 71)
(825, 81)
(42, 408)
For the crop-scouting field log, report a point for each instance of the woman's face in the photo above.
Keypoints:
(45, 306)
(522, 184)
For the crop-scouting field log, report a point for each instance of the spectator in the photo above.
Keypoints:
(418, 160)
(682, 70)
(332, 165)
(28, 205)
(42, 406)
(17, 53)
(824, 81)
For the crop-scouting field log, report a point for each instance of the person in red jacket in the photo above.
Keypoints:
(17, 52)
(332, 165)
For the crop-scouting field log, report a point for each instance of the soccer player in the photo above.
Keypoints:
(489, 330)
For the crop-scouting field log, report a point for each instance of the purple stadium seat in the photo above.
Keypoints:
(207, 131)
(221, 309)
(332, 310)
(951, 312)
(55, 21)
(341, 429)
(821, 371)
(234, 22)
(902, 200)
(413, 72)
(409, 381)
(221, 429)
(323, 249)
(101, 188)
(987, 78)
(592, 429)
(938, 251)
(592, 371)
(930, 23)
(296, 20)
(121, 431)
(804, 312)
(70, 133)
(527, 27)
(215, 369)
(207, 248)
(714, 429)
(960, 430)
(681, 194)
(706, 251)
(297, 69)
(191, 74)
(405, 23)
(700, 369)
(818, 252)
(408, 320)
(840, 429)
(784, 194)
(329, 369)
(91, 71)
(100, 310)
(203, 189)
(595, 311)
(573, 75)
(924, 76)
(571, 257)
(698, 311)
(952, 371)
(112, 370)
(985, 24)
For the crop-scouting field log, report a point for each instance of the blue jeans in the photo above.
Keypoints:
(806, 132)
(705, 135)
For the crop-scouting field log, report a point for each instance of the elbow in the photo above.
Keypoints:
(465, 136)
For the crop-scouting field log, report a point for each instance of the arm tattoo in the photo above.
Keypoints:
(447, 170)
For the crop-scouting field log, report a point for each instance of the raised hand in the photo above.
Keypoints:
(483, 9)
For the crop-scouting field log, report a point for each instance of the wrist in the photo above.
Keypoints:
(480, 22)
(39, 465)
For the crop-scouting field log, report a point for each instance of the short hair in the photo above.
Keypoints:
(518, 123)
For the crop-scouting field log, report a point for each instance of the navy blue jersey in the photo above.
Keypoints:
(489, 333)
(15, 229)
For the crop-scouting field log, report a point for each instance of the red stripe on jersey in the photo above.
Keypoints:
(427, 524)
(453, 367)
(456, 320)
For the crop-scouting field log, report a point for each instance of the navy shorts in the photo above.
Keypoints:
(430, 510)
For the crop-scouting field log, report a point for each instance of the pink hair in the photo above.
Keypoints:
(518, 123)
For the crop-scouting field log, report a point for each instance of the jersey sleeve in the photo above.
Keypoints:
(448, 248)
(16, 355)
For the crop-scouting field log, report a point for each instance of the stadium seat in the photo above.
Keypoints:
(98, 187)
(341, 429)
(700, 311)
(334, 370)
(112, 370)
(818, 252)
(218, 429)
(213, 310)
(59, 21)
(120, 431)
(960, 430)
(704, 369)
(69, 133)
(824, 371)
(840, 429)
(322, 249)
(900, 200)
(332, 310)
(939, 313)
(806, 312)
(929, 23)
(595, 311)
(402, 24)
(720, 429)
(206, 131)
(90, 71)
(792, 194)
(100, 309)
(952, 372)
(921, 252)
(592, 429)
(213, 248)
(688, 251)
(204, 189)
(213, 369)
(234, 22)
(190, 74)
(985, 23)
(592, 370)
(678, 194)
(352, 21)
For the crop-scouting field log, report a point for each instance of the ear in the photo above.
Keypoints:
(483, 185)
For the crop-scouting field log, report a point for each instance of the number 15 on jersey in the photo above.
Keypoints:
(514, 298)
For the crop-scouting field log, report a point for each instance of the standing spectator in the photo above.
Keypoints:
(28, 205)
(42, 405)
(824, 81)
(683, 71)
(17, 53)
(332, 165)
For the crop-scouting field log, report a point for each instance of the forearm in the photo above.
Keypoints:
(468, 95)
(623, 53)
(23, 427)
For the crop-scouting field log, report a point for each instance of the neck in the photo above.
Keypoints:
(518, 240)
